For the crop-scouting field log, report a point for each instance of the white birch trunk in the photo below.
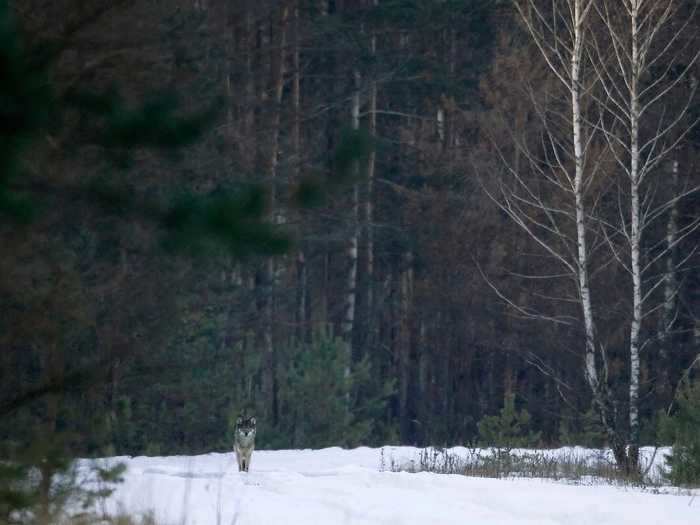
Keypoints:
(630, 93)
(440, 121)
(598, 385)
(670, 278)
(670, 293)
(348, 323)
(582, 247)
(635, 243)
(564, 51)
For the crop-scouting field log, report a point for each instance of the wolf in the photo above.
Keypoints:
(244, 442)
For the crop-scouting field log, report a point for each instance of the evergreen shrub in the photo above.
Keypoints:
(682, 430)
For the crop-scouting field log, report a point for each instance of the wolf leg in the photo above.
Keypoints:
(245, 459)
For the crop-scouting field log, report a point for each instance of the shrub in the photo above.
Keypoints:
(320, 401)
(567, 465)
(585, 430)
(41, 484)
(682, 429)
(509, 429)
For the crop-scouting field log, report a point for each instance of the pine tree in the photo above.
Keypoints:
(509, 429)
(682, 429)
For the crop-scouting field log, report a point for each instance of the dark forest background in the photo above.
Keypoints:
(278, 206)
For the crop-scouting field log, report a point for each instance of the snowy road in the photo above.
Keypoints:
(334, 486)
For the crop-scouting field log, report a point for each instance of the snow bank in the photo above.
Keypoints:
(336, 486)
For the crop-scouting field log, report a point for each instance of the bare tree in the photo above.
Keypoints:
(553, 200)
(639, 63)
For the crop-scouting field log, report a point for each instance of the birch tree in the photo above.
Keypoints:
(554, 207)
(639, 69)
(348, 322)
(670, 292)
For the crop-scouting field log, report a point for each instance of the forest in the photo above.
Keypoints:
(366, 222)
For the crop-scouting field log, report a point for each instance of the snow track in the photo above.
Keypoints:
(335, 486)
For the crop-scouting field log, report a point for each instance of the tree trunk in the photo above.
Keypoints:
(663, 392)
(276, 85)
(406, 415)
(369, 203)
(635, 243)
(599, 387)
(348, 322)
(302, 277)
(53, 372)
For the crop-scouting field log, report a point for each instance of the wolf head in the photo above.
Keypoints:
(245, 428)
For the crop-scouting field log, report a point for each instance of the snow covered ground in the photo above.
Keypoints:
(336, 486)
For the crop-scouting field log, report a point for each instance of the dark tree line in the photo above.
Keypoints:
(279, 206)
